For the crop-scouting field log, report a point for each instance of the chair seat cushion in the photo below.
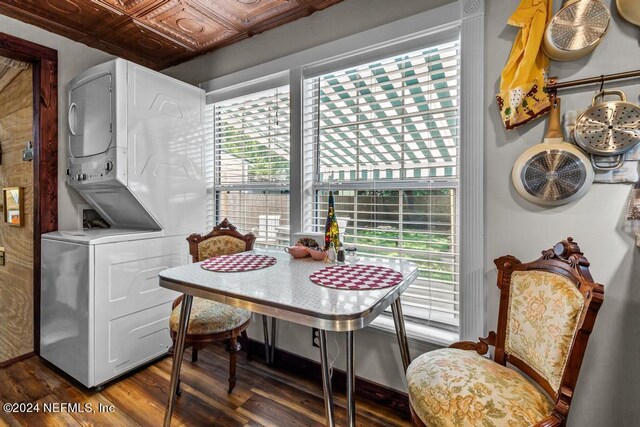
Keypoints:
(210, 317)
(452, 387)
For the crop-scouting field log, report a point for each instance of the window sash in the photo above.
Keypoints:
(263, 213)
(252, 139)
(422, 230)
(248, 164)
(353, 146)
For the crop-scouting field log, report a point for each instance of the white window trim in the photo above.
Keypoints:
(472, 289)
(468, 16)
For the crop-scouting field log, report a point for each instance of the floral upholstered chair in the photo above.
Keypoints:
(211, 321)
(547, 311)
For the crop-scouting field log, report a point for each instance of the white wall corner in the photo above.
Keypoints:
(472, 286)
(471, 8)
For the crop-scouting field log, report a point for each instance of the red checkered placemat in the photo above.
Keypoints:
(356, 277)
(238, 262)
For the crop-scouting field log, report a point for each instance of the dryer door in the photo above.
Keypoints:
(90, 115)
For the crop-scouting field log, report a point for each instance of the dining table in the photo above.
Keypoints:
(285, 291)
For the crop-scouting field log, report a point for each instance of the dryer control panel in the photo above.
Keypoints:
(97, 169)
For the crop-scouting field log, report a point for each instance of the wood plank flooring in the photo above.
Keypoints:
(262, 396)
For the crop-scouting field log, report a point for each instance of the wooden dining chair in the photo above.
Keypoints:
(210, 321)
(547, 311)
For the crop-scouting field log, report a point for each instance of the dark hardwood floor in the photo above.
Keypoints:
(262, 396)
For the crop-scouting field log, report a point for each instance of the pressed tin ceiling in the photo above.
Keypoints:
(159, 33)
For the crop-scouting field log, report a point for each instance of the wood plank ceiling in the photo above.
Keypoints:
(159, 33)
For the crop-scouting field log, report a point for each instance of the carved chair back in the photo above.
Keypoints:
(547, 311)
(224, 239)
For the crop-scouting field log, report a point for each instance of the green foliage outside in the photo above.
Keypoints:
(439, 247)
(264, 164)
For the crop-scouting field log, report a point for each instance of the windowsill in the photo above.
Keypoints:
(420, 334)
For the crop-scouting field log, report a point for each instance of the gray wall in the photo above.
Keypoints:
(72, 58)
(609, 389)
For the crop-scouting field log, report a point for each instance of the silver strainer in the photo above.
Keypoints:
(553, 175)
(579, 25)
(608, 128)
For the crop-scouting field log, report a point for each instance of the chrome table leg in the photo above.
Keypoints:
(351, 381)
(265, 331)
(401, 332)
(326, 380)
(185, 311)
(273, 340)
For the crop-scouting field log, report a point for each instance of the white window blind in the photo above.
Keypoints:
(384, 137)
(249, 165)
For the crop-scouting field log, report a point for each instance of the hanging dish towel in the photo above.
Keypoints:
(633, 211)
(522, 97)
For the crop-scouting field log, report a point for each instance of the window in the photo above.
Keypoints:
(384, 136)
(400, 142)
(248, 165)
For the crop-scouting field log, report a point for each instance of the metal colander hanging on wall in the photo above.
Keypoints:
(608, 128)
(576, 29)
(555, 172)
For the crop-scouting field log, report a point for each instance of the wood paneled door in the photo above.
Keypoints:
(28, 119)
(16, 275)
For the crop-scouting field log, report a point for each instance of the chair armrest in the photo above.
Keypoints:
(481, 347)
(558, 416)
(550, 421)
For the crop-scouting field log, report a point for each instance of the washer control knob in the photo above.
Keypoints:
(109, 166)
(84, 176)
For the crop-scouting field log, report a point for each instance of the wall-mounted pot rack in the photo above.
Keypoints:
(553, 84)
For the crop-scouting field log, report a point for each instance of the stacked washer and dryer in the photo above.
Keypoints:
(136, 153)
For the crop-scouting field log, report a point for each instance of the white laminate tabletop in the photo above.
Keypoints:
(285, 291)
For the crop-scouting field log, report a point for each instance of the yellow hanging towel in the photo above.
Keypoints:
(522, 97)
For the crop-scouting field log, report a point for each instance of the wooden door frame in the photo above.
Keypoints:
(45, 144)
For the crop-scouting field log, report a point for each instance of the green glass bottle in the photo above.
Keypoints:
(331, 230)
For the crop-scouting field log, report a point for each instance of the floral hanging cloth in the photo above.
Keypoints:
(633, 211)
(522, 97)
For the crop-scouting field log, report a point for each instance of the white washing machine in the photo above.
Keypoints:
(102, 311)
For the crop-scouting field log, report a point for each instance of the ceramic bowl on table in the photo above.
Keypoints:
(297, 251)
(318, 255)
